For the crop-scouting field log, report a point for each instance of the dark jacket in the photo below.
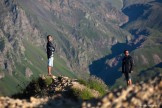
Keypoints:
(50, 49)
(127, 64)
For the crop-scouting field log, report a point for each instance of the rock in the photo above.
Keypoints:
(33, 100)
(28, 72)
(110, 96)
(88, 105)
(84, 104)
(135, 101)
(53, 76)
(2, 75)
(160, 85)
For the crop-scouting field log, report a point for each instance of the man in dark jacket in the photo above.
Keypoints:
(50, 53)
(127, 67)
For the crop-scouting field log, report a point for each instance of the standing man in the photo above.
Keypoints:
(50, 53)
(127, 67)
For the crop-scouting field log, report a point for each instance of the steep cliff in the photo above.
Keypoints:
(15, 28)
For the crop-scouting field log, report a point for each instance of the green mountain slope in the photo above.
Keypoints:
(90, 36)
(118, 4)
(35, 60)
(79, 29)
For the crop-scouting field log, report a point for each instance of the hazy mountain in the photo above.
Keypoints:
(90, 36)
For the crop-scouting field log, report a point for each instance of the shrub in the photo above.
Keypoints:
(47, 81)
(35, 88)
(96, 84)
(2, 44)
(84, 94)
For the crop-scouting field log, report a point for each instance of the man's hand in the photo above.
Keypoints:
(131, 71)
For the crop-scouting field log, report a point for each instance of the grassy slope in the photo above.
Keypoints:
(116, 3)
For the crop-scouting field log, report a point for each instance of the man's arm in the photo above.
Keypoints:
(51, 47)
(122, 66)
(131, 64)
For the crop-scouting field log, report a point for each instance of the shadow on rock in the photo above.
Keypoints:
(159, 65)
(159, 1)
(150, 72)
(135, 11)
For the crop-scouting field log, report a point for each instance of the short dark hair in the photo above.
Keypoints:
(48, 37)
(125, 51)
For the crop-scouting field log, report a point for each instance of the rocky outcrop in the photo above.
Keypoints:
(50, 92)
(2, 75)
(139, 95)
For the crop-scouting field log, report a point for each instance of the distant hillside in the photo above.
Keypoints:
(90, 36)
(22, 53)
(118, 4)
(83, 31)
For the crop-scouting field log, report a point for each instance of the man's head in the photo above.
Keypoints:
(126, 52)
(49, 38)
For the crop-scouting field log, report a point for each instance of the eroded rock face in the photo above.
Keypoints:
(157, 59)
(15, 27)
(2, 75)
(28, 72)
(139, 95)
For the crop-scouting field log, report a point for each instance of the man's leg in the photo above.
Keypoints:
(130, 82)
(49, 70)
(50, 65)
(127, 78)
